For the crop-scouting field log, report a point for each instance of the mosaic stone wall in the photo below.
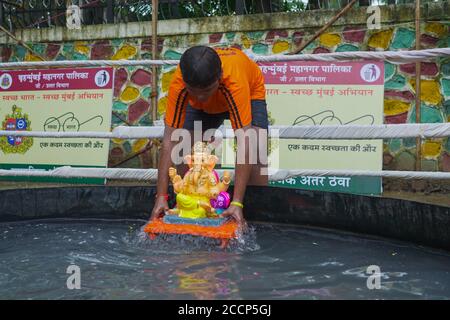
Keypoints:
(132, 88)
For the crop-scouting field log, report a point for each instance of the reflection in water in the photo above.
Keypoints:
(204, 281)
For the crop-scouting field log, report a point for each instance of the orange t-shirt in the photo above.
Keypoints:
(242, 81)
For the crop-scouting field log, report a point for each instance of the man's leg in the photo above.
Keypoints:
(258, 176)
(260, 123)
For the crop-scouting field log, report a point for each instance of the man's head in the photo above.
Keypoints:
(201, 69)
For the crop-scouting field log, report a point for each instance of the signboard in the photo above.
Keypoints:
(325, 93)
(56, 100)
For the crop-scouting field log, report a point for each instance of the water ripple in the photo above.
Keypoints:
(118, 261)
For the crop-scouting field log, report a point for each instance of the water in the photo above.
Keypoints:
(117, 261)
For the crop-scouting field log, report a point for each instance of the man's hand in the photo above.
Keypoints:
(172, 173)
(226, 178)
(159, 208)
(238, 215)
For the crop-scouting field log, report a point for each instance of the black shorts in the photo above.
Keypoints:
(215, 120)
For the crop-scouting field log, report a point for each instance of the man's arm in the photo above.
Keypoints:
(242, 173)
(165, 162)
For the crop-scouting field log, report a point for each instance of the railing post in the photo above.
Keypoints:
(418, 100)
(110, 11)
(154, 102)
(2, 19)
(240, 4)
(154, 56)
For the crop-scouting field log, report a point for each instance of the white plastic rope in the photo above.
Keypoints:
(385, 131)
(87, 63)
(70, 172)
(392, 56)
(277, 175)
(121, 132)
(151, 175)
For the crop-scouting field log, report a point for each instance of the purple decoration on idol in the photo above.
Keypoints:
(222, 202)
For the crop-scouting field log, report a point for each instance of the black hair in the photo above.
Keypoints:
(200, 66)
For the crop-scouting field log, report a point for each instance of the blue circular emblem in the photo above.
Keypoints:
(21, 124)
